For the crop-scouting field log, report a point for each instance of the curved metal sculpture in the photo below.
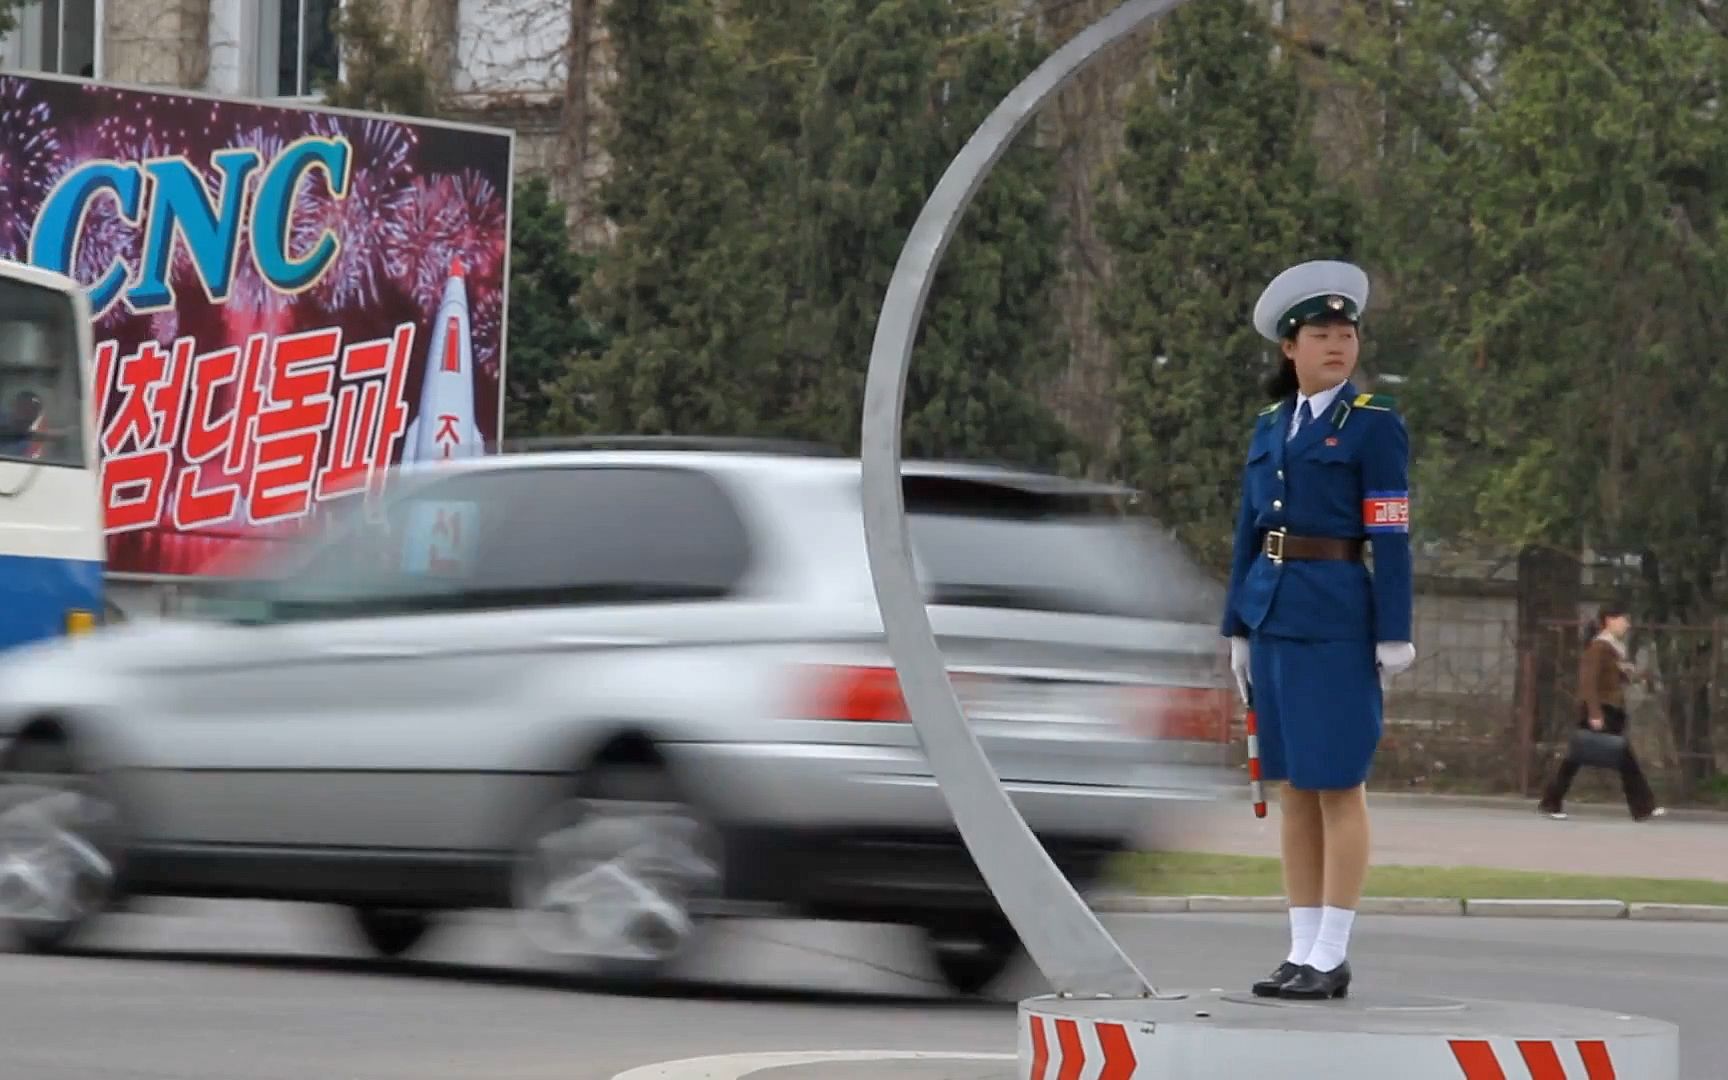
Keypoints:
(1062, 935)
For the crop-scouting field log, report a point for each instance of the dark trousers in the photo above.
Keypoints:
(1640, 800)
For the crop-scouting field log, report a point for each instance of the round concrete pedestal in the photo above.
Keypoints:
(1224, 1035)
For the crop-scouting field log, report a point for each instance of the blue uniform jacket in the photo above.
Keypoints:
(1344, 475)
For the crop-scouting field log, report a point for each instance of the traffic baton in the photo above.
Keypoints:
(1255, 789)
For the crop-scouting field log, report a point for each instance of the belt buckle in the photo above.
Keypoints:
(1275, 550)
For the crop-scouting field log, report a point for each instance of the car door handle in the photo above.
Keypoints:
(369, 651)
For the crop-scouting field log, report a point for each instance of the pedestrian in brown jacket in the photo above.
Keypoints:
(1603, 673)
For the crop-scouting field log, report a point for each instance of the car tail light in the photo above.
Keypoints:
(857, 693)
(864, 694)
(1187, 713)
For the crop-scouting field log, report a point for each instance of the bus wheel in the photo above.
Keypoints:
(973, 954)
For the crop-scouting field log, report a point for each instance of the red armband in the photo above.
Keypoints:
(1386, 512)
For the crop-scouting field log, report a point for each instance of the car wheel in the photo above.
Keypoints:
(60, 844)
(612, 879)
(391, 931)
(972, 954)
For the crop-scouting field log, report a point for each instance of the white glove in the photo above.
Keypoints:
(1239, 665)
(1394, 656)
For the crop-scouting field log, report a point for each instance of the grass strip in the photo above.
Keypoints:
(1195, 874)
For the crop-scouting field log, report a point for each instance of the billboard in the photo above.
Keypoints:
(287, 300)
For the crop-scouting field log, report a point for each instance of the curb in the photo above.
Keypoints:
(1547, 909)
(1611, 811)
(1679, 912)
(1485, 907)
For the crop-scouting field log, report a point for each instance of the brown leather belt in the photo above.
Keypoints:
(1280, 546)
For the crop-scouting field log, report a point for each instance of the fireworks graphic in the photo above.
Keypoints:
(486, 316)
(29, 160)
(450, 217)
(369, 219)
(104, 235)
(418, 198)
(252, 296)
(135, 130)
(165, 326)
(131, 132)
(418, 236)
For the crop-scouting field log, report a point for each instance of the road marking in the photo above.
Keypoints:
(739, 1066)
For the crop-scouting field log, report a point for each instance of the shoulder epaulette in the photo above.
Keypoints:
(1270, 409)
(1383, 402)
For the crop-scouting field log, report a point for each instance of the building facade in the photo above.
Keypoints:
(536, 66)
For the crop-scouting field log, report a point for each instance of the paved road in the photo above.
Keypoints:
(1427, 831)
(272, 992)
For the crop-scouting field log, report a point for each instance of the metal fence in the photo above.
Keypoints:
(1485, 710)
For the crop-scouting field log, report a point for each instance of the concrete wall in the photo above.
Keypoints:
(157, 42)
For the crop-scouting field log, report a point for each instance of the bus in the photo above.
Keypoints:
(51, 515)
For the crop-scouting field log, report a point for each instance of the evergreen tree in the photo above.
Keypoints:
(693, 291)
(903, 84)
(992, 349)
(549, 333)
(383, 72)
(1571, 392)
(1219, 189)
(549, 337)
(9, 10)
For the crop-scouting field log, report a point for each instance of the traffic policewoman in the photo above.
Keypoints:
(1312, 632)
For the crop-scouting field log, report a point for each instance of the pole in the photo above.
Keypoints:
(1060, 932)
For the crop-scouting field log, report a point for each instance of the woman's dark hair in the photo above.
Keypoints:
(1281, 383)
(1603, 614)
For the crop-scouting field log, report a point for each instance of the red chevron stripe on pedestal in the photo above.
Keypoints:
(1540, 1058)
(1071, 1050)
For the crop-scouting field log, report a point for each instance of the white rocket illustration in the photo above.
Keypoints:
(444, 428)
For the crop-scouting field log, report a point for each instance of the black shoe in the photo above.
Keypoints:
(1271, 984)
(1312, 985)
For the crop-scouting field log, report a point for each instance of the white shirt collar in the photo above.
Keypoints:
(1317, 405)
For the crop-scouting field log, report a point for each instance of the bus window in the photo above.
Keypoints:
(41, 416)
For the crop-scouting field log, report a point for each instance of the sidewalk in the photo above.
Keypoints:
(1438, 830)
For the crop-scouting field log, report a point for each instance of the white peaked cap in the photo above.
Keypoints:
(1308, 281)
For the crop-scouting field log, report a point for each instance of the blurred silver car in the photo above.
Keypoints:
(623, 692)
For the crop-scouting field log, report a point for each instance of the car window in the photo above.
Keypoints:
(505, 538)
(415, 551)
(613, 534)
(987, 545)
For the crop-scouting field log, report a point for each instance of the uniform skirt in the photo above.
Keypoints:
(1317, 704)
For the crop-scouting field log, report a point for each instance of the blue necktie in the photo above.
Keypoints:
(1303, 417)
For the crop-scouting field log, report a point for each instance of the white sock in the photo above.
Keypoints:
(1333, 941)
(1304, 927)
